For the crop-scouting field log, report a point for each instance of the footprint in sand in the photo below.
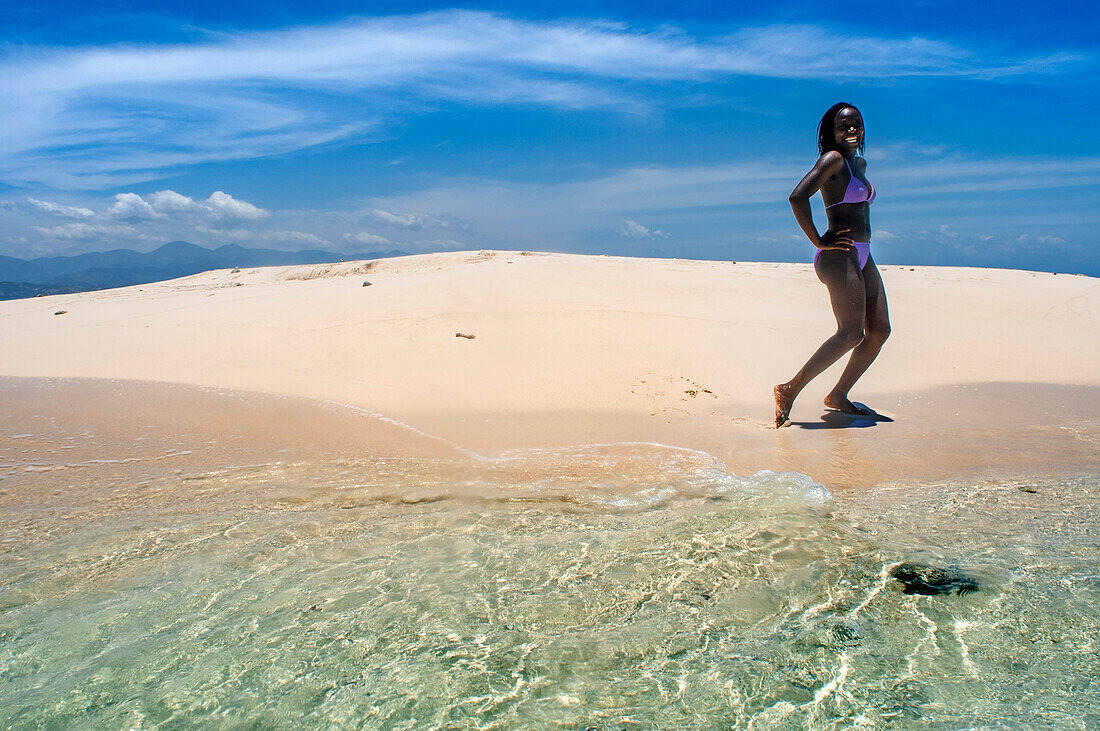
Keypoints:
(673, 394)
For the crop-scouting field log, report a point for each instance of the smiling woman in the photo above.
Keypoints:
(843, 261)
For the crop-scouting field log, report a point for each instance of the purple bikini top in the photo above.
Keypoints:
(856, 192)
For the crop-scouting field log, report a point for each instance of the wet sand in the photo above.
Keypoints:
(51, 429)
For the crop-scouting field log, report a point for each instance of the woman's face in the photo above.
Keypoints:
(848, 129)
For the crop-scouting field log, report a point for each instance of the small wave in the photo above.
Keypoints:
(39, 467)
(613, 475)
(643, 468)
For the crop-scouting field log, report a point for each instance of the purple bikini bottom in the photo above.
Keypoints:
(863, 250)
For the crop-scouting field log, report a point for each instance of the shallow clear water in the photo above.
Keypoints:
(629, 587)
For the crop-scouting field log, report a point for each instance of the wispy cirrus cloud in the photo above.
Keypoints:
(102, 116)
(755, 182)
(957, 174)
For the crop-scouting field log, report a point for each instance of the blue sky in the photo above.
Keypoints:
(647, 129)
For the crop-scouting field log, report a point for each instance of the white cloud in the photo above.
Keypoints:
(883, 235)
(170, 204)
(60, 210)
(100, 116)
(1051, 240)
(130, 206)
(226, 206)
(161, 216)
(946, 231)
(365, 238)
(398, 220)
(635, 230)
(169, 201)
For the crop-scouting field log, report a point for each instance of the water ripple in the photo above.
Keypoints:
(617, 587)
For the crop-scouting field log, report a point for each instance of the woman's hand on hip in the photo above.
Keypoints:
(836, 240)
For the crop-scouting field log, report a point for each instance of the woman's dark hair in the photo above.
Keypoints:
(826, 137)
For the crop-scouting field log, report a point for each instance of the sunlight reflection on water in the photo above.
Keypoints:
(547, 590)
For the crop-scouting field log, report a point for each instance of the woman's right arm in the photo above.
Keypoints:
(827, 165)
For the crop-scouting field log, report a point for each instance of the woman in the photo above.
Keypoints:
(843, 262)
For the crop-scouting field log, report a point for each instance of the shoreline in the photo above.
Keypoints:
(141, 430)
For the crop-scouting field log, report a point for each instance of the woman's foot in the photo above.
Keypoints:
(844, 406)
(784, 400)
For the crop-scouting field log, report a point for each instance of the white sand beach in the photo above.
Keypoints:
(987, 370)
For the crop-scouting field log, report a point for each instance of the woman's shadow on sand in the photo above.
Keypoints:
(839, 420)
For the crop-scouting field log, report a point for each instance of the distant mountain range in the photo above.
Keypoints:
(122, 267)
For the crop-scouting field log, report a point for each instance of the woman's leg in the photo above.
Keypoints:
(839, 272)
(877, 322)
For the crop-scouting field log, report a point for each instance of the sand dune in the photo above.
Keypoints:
(573, 349)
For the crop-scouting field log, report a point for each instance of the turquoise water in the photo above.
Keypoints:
(630, 587)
